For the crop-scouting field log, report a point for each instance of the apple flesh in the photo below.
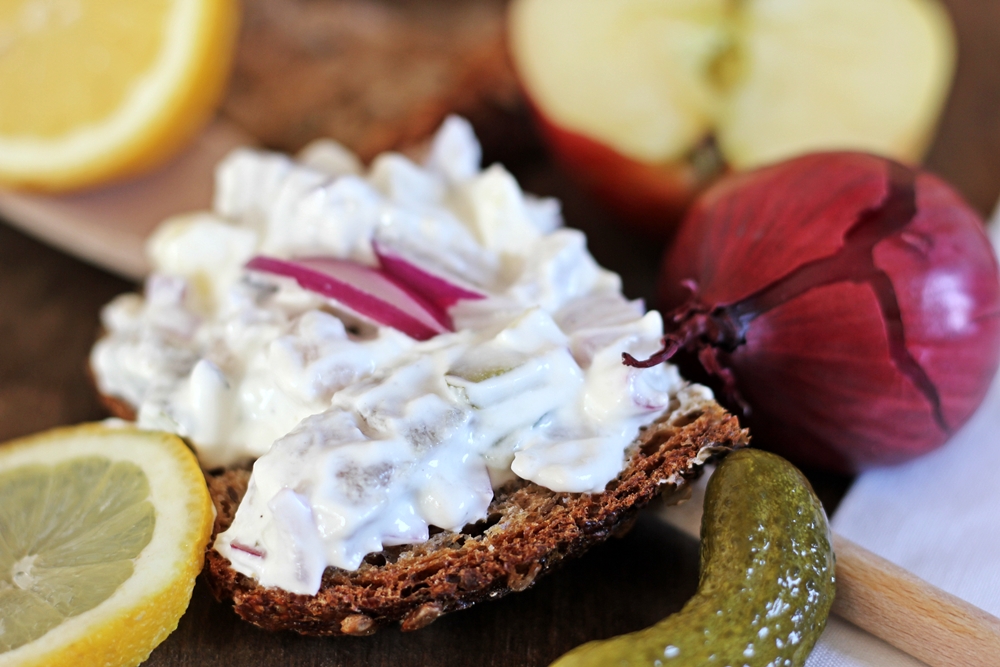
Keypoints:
(647, 101)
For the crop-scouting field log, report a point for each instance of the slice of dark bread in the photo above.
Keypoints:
(375, 75)
(529, 531)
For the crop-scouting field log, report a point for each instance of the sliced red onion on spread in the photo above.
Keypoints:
(247, 550)
(367, 291)
(442, 292)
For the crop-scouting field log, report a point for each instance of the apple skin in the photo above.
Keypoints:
(649, 198)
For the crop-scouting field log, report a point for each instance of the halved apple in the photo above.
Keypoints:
(646, 101)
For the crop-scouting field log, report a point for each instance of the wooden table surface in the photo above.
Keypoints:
(49, 305)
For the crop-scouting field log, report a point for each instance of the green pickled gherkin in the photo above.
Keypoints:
(766, 582)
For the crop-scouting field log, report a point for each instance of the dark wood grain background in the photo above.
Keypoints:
(49, 306)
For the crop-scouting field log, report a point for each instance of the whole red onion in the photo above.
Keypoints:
(850, 302)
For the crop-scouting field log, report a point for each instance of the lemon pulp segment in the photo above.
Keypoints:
(68, 534)
(58, 94)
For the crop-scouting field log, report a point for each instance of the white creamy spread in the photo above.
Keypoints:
(364, 437)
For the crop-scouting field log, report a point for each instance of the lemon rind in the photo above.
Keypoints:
(124, 628)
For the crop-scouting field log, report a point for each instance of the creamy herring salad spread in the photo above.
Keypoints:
(363, 436)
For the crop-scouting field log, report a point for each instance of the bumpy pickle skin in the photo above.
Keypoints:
(766, 583)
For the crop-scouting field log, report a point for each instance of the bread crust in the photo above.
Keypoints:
(117, 407)
(529, 532)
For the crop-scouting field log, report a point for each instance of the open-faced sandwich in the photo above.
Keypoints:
(426, 368)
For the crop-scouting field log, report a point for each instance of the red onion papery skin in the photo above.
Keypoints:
(851, 302)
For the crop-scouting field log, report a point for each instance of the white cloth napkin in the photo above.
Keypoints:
(937, 516)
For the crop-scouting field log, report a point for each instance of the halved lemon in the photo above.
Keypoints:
(102, 533)
(97, 90)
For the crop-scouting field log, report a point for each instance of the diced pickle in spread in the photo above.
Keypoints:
(364, 437)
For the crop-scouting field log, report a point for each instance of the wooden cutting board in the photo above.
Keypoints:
(108, 227)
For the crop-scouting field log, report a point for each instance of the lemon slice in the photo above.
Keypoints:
(102, 533)
(97, 90)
